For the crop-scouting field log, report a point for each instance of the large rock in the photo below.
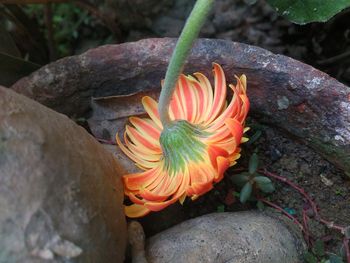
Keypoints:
(242, 237)
(60, 193)
(316, 106)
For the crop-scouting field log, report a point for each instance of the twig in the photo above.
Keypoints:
(306, 228)
(49, 26)
(280, 209)
(347, 248)
(317, 216)
(296, 187)
(334, 59)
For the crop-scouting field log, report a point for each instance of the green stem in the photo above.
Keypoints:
(189, 34)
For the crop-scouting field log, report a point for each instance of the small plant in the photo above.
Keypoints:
(252, 180)
(317, 254)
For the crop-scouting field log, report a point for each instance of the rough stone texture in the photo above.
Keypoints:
(242, 237)
(316, 106)
(60, 193)
(137, 241)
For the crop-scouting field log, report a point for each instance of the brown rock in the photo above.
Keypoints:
(303, 101)
(60, 193)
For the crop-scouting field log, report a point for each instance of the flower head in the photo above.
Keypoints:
(185, 158)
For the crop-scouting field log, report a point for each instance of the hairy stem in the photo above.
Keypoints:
(189, 33)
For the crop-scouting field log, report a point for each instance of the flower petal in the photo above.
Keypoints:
(148, 130)
(134, 211)
(208, 95)
(140, 161)
(188, 98)
(142, 140)
(151, 107)
(220, 92)
(176, 104)
(137, 181)
(222, 165)
(236, 129)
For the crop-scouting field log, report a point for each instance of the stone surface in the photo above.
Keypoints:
(60, 193)
(136, 237)
(318, 108)
(242, 237)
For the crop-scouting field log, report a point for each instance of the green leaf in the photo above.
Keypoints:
(220, 209)
(245, 192)
(262, 180)
(260, 205)
(264, 184)
(333, 258)
(319, 248)
(253, 163)
(254, 137)
(306, 11)
(310, 258)
(240, 179)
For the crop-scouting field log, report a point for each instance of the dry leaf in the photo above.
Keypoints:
(110, 114)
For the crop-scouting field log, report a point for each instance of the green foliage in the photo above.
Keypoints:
(253, 163)
(310, 258)
(220, 209)
(254, 137)
(246, 192)
(318, 248)
(264, 184)
(248, 180)
(334, 259)
(240, 179)
(260, 205)
(318, 254)
(67, 18)
(306, 11)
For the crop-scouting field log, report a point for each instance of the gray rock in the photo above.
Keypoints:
(60, 193)
(246, 237)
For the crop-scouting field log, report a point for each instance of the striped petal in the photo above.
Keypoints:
(220, 92)
(208, 95)
(151, 107)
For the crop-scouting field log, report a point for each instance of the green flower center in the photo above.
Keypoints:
(180, 145)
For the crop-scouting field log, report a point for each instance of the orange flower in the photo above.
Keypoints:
(192, 153)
